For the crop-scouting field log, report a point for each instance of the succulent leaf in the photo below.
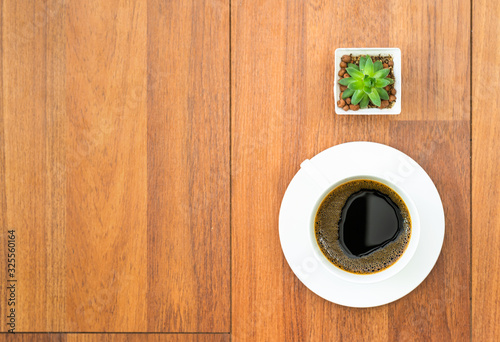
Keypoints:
(350, 65)
(377, 66)
(355, 73)
(382, 93)
(358, 96)
(362, 62)
(364, 101)
(382, 82)
(356, 85)
(346, 81)
(382, 73)
(368, 70)
(347, 93)
(374, 97)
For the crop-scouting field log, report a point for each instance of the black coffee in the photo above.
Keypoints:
(369, 221)
(363, 226)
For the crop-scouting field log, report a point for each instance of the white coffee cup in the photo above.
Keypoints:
(362, 278)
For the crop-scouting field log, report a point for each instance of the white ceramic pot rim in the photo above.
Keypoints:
(396, 55)
(388, 272)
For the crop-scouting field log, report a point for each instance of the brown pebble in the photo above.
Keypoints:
(342, 93)
(348, 100)
(343, 64)
(341, 72)
(354, 107)
(387, 88)
(393, 91)
(392, 98)
(346, 58)
(384, 104)
(391, 63)
(346, 107)
(341, 103)
(343, 88)
(386, 65)
(346, 75)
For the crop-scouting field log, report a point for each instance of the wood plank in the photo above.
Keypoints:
(148, 337)
(33, 152)
(485, 175)
(106, 238)
(188, 166)
(55, 143)
(439, 309)
(282, 113)
(84, 98)
(33, 337)
(115, 337)
(425, 31)
(430, 34)
(23, 154)
(3, 189)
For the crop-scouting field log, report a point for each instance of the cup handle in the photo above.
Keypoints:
(315, 174)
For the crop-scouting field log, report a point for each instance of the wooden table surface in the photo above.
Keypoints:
(145, 147)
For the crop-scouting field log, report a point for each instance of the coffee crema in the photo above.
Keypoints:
(362, 226)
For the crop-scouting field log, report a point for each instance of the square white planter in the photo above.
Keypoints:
(396, 56)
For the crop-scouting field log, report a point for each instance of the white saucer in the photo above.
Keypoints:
(332, 166)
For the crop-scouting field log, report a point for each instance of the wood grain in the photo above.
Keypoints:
(427, 32)
(3, 190)
(188, 166)
(149, 338)
(430, 33)
(33, 337)
(33, 152)
(439, 309)
(102, 247)
(283, 113)
(115, 337)
(115, 163)
(56, 144)
(485, 175)
(106, 240)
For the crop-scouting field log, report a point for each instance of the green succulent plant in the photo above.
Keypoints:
(366, 82)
